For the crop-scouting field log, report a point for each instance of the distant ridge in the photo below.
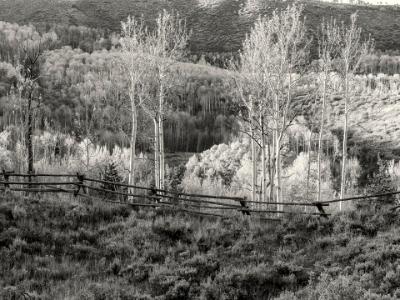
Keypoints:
(365, 2)
(218, 25)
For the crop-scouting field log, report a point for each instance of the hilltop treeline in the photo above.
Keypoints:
(218, 25)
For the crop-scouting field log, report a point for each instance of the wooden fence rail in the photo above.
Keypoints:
(361, 197)
(165, 191)
(159, 198)
(40, 183)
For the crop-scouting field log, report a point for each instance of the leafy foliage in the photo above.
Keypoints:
(219, 163)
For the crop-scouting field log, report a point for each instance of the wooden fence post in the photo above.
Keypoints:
(81, 179)
(321, 210)
(243, 203)
(6, 176)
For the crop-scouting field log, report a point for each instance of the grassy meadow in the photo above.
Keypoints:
(69, 249)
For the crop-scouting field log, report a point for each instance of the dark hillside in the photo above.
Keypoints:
(218, 27)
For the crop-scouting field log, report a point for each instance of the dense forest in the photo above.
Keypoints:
(81, 93)
(201, 103)
(72, 80)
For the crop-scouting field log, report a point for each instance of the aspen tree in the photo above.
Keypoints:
(328, 50)
(133, 41)
(288, 54)
(352, 51)
(167, 45)
(250, 82)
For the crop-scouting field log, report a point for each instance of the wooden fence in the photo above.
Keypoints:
(137, 196)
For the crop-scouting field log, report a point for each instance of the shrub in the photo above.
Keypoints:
(218, 164)
(111, 174)
(137, 273)
(381, 182)
(174, 177)
(204, 266)
(179, 291)
(174, 230)
(329, 288)
(295, 178)
(161, 280)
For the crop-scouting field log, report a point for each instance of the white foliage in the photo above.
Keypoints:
(295, 179)
(77, 154)
(209, 3)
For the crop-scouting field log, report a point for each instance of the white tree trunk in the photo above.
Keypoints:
(133, 148)
(272, 168)
(156, 154)
(308, 170)
(321, 130)
(344, 150)
(162, 156)
(277, 153)
(87, 137)
(263, 162)
(161, 130)
(87, 155)
(254, 163)
(278, 174)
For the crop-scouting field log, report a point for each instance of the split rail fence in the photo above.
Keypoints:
(137, 196)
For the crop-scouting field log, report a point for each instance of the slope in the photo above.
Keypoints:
(218, 25)
(58, 249)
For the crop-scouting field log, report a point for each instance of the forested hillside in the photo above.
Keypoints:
(218, 26)
(201, 114)
(72, 80)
